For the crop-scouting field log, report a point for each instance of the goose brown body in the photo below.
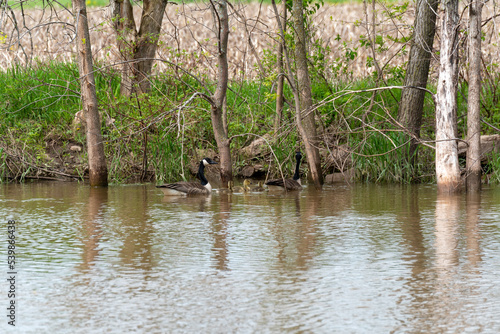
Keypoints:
(190, 188)
(288, 184)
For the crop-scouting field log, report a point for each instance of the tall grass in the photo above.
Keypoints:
(492, 170)
(170, 159)
(43, 93)
(383, 157)
(151, 124)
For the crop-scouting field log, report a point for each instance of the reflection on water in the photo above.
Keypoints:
(344, 260)
(92, 231)
(219, 232)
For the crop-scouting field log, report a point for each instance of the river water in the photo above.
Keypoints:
(347, 259)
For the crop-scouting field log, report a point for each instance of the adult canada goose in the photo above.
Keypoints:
(244, 189)
(288, 184)
(190, 188)
(258, 187)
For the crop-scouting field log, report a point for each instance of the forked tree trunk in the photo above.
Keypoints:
(305, 116)
(473, 162)
(137, 48)
(147, 43)
(124, 25)
(417, 72)
(280, 98)
(98, 171)
(218, 124)
(447, 167)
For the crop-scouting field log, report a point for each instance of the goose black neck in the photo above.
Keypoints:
(201, 174)
(296, 176)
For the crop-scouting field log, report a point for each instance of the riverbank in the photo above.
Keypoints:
(157, 137)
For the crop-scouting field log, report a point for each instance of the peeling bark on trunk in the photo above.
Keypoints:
(137, 45)
(417, 71)
(98, 172)
(218, 124)
(447, 167)
(305, 117)
(473, 162)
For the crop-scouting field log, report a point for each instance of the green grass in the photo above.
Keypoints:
(50, 92)
(492, 170)
(50, 100)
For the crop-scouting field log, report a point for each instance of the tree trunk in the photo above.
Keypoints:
(417, 72)
(280, 98)
(447, 167)
(124, 25)
(221, 131)
(305, 117)
(474, 104)
(147, 43)
(137, 49)
(98, 171)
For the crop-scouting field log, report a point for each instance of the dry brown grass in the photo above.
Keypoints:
(188, 37)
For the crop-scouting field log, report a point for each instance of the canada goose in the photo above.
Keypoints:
(227, 190)
(244, 189)
(190, 188)
(258, 187)
(288, 184)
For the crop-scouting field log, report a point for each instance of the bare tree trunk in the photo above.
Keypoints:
(417, 71)
(474, 104)
(138, 48)
(447, 167)
(124, 25)
(98, 171)
(147, 43)
(307, 127)
(280, 98)
(217, 112)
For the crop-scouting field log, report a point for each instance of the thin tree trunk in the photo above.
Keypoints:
(98, 171)
(217, 112)
(280, 98)
(447, 167)
(417, 72)
(306, 122)
(473, 161)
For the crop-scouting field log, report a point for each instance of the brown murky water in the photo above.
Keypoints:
(361, 259)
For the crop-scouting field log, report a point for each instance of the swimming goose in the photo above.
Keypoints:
(258, 187)
(244, 189)
(288, 184)
(190, 188)
(227, 190)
